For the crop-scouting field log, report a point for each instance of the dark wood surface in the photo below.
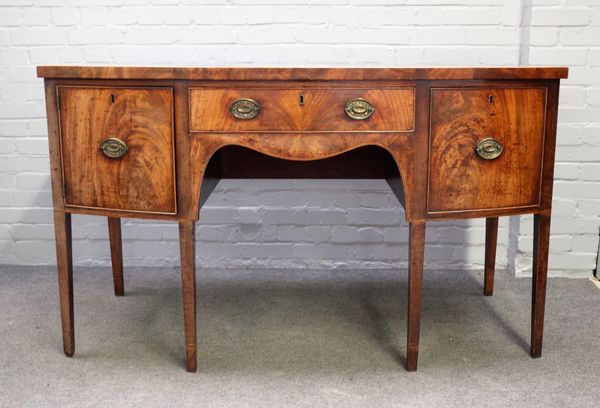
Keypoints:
(116, 254)
(416, 254)
(541, 244)
(292, 74)
(491, 242)
(182, 140)
(187, 239)
(184, 166)
(64, 266)
(367, 162)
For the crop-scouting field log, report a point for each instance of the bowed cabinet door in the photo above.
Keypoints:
(118, 148)
(486, 148)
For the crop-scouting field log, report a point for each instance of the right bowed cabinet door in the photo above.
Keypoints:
(485, 148)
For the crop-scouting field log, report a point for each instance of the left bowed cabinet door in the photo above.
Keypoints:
(118, 148)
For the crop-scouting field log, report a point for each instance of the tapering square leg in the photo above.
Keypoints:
(541, 242)
(415, 285)
(188, 284)
(116, 254)
(64, 265)
(491, 241)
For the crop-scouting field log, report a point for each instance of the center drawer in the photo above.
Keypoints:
(390, 109)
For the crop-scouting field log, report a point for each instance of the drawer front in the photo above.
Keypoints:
(139, 124)
(504, 121)
(285, 109)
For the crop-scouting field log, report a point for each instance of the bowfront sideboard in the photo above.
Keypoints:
(152, 142)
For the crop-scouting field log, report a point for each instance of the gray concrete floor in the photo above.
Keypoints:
(287, 338)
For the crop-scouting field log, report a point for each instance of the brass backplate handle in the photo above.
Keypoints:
(113, 147)
(244, 108)
(489, 148)
(359, 109)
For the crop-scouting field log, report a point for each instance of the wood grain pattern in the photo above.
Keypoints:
(549, 146)
(305, 147)
(143, 179)
(416, 192)
(116, 254)
(56, 175)
(321, 110)
(295, 74)
(185, 199)
(491, 242)
(458, 178)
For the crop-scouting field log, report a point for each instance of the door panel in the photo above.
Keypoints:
(143, 178)
(511, 119)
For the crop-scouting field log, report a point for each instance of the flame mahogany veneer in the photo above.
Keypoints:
(152, 142)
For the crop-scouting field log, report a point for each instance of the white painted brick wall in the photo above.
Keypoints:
(300, 223)
(568, 32)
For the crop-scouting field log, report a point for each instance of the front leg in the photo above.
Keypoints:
(491, 242)
(416, 243)
(64, 265)
(187, 247)
(541, 243)
(116, 254)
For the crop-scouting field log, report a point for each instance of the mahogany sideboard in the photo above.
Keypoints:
(152, 142)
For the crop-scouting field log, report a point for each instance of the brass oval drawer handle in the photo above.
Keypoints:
(489, 148)
(244, 108)
(113, 147)
(359, 109)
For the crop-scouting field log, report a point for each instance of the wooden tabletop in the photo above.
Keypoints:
(308, 73)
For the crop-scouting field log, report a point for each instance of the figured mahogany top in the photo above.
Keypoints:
(232, 73)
